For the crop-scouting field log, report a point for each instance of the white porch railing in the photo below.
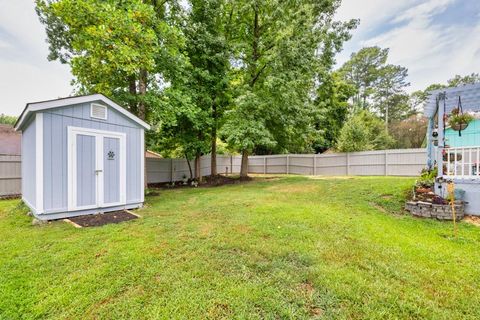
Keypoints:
(462, 163)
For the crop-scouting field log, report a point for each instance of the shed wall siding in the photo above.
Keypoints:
(28, 163)
(56, 122)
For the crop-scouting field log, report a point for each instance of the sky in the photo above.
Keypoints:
(434, 39)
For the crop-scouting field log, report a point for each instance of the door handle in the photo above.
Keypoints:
(98, 171)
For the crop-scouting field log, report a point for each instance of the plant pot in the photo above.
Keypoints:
(460, 126)
(423, 190)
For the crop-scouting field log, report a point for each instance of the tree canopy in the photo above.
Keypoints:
(253, 76)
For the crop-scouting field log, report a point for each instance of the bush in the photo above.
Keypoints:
(363, 132)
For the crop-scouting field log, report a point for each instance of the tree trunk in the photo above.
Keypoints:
(244, 166)
(189, 166)
(386, 118)
(132, 88)
(213, 155)
(198, 173)
(142, 90)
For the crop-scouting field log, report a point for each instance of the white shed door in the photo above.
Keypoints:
(97, 168)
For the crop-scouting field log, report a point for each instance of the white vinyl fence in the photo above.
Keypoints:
(10, 175)
(407, 162)
(404, 162)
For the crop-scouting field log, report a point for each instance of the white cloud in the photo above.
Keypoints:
(25, 73)
(431, 51)
(423, 10)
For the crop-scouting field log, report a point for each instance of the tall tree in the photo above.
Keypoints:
(207, 33)
(278, 45)
(459, 80)
(389, 93)
(124, 49)
(364, 70)
(332, 104)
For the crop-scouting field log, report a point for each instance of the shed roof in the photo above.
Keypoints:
(470, 96)
(49, 104)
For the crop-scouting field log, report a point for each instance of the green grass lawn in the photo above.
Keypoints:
(292, 247)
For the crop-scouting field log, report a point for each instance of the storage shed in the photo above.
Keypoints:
(81, 155)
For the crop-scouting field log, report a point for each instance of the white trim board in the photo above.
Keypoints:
(144, 163)
(39, 162)
(72, 167)
(44, 105)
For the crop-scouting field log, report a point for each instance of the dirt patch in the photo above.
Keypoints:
(307, 288)
(96, 220)
(378, 207)
(209, 181)
(472, 220)
(300, 188)
(11, 197)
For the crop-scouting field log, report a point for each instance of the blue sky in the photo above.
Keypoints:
(434, 39)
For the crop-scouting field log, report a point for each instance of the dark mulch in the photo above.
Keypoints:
(95, 220)
(11, 196)
(209, 181)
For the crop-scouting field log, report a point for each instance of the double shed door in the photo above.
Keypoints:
(96, 168)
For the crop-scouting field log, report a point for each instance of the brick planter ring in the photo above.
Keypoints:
(435, 211)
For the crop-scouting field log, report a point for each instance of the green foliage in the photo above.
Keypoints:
(6, 119)
(128, 50)
(427, 178)
(380, 86)
(457, 120)
(390, 100)
(459, 80)
(362, 132)
(284, 248)
(333, 109)
(363, 71)
(276, 61)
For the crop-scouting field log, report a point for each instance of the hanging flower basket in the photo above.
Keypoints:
(458, 120)
(459, 126)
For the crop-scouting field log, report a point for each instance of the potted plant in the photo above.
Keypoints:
(459, 121)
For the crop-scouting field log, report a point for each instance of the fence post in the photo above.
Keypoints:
(348, 164)
(231, 164)
(314, 164)
(264, 164)
(171, 170)
(288, 164)
(386, 162)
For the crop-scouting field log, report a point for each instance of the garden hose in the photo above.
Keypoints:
(451, 191)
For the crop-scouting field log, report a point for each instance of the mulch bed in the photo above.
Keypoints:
(95, 220)
(208, 181)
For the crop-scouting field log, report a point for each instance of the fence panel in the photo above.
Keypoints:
(332, 164)
(406, 162)
(368, 163)
(10, 175)
(402, 162)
